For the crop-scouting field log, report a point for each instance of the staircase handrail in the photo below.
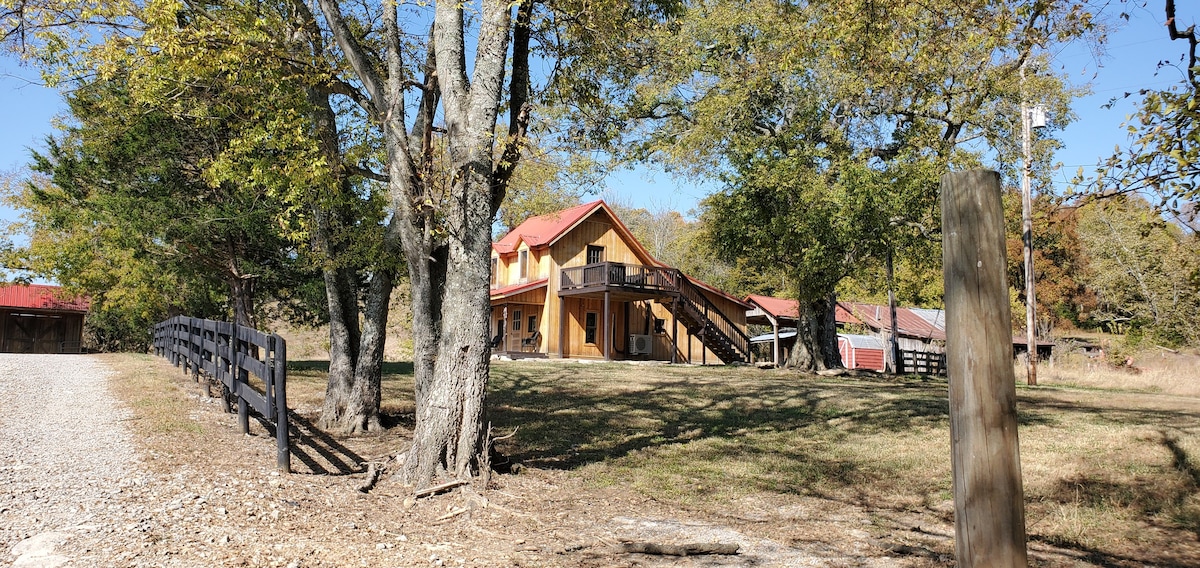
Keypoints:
(734, 334)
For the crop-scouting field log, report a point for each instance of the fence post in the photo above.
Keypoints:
(195, 348)
(175, 340)
(989, 509)
(222, 359)
(235, 368)
(189, 363)
(283, 455)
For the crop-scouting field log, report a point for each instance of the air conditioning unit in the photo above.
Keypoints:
(641, 344)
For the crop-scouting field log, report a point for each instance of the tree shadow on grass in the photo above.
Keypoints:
(565, 424)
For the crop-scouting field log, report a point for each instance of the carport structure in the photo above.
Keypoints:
(38, 318)
(775, 312)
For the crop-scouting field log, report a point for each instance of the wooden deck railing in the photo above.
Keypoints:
(608, 274)
(230, 353)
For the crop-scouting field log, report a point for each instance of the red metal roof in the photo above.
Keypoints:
(876, 317)
(843, 315)
(40, 297)
(908, 324)
(515, 289)
(777, 307)
(545, 229)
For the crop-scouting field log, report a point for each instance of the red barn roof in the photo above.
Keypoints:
(545, 229)
(908, 324)
(40, 297)
(777, 307)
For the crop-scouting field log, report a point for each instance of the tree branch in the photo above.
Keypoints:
(355, 54)
(1188, 34)
(519, 107)
(366, 172)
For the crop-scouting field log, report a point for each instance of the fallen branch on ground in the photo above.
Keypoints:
(373, 471)
(677, 549)
(452, 514)
(440, 488)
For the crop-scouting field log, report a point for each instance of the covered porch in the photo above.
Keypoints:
(596, 300)
(517, 319)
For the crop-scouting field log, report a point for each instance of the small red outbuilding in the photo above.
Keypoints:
(37, 318)
(861, 351)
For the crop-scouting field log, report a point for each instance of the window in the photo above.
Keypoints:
(589, 328)
(495, 265)
(595, 254)
(532, 324)
(516, 320)
(522, 266)
(660, 325)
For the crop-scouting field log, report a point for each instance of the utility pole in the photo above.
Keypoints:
(894, 362)
(1027, 240)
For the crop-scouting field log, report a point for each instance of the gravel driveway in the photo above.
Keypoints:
(65, 457)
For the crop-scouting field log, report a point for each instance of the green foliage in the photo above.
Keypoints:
(124, 211)
(546, 182)
(1063, 299)
(833, 118)
(1144, 271)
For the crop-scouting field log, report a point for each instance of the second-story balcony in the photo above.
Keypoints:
(631, 279)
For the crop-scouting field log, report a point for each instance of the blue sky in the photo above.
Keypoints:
(27, 109)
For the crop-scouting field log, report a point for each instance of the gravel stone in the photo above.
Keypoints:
(65, 453)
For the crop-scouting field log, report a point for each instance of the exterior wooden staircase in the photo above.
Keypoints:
(671, 288)
(704, 320)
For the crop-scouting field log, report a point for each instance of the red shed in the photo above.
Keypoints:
(37, 318)
(861, 351)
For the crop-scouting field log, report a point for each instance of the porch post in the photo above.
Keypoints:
(562, 327)
(775, 344)
(675, 330)
(607, 328)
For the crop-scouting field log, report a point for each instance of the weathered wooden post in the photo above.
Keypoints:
(238, 379)
(989, 508)
(283, 454)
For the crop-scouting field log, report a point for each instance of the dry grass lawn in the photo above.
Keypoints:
(1111, 470)
(1111, 475)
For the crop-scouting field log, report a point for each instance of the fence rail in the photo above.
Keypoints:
(923, 363)
(230, 353)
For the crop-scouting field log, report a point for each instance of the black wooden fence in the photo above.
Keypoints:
(230, 353)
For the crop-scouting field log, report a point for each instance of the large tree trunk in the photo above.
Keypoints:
(445, 235)
(816, 336)
(341, 295)
(362, 415)
(450, 405)
(352, 393)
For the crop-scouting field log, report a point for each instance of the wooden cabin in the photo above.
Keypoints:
(577, 284)
(37, 318)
